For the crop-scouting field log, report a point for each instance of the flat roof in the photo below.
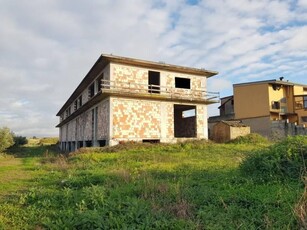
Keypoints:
(273, 81)
(105, 59)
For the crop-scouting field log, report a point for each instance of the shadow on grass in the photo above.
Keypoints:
(33, 151)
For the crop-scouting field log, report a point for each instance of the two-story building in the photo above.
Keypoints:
(125, 99)
(259, 104)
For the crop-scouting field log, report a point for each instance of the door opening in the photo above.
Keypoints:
(185, 121)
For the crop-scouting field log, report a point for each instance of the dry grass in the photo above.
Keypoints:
(124, 174)
(182, 209)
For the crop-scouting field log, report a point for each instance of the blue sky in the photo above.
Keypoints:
(47, 46)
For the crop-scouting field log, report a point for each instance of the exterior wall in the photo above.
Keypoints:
(299, 90)
(135, 119)
(282, 129)
(221, 132)
(259, 125)
(227, 107)
(202, 121)
(80, 128)
(239, 131)
(247, 105)
(301, 112)
(103, 120)
(131, 74)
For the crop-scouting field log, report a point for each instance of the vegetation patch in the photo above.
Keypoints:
(281, 161)
(189, 185)
(252, 138)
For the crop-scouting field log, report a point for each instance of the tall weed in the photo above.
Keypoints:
(281, 161)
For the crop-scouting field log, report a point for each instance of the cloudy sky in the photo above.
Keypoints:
(48, 46)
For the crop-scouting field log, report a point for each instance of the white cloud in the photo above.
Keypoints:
(47, 47)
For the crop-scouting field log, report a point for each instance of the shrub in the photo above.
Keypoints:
(6, 139)
(252, 138)
(283, 160)
(20, 140)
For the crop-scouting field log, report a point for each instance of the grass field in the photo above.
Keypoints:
(192, 185)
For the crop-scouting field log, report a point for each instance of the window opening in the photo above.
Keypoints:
(80, 144)
(91, 90)
(184, 83)
(88, 143)
(151, 141)
(304, 119)
(153, 82)
(275, 105)
(188, 113)
(80, 101)
(102, 143)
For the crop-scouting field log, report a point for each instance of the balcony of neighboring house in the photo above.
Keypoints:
(158, 92)
(279, 111)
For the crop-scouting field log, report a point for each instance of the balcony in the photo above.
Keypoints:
(157, 92)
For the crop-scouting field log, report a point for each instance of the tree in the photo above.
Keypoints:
(6, 138)
(20, 140)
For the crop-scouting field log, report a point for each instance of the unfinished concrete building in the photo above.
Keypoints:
(124, 99)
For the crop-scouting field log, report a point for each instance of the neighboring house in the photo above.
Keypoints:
(125, 99)
(263, 105)
(224, 131)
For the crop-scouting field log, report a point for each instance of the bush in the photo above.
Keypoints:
(20, 140)
(6, 139)
(283, 160)
(252, 138)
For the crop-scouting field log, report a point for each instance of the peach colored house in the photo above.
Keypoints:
(125, 99)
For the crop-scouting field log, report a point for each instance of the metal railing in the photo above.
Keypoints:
(146, 90)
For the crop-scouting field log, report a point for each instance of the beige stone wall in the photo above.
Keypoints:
(145, 119)
(239, 131)
(135, 119)
(201, 121)
(131, 74)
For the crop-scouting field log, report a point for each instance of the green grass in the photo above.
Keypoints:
(191, 185)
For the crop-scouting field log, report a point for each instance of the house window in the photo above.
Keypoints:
(184, 83)
(304, 119)
(91, 90)
(275, 105)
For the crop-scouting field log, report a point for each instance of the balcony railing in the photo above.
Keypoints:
(158, 91)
